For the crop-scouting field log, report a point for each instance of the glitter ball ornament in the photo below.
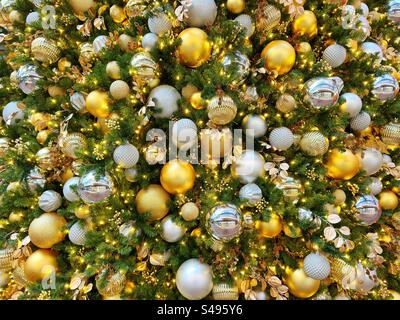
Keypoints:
(390, 134)
(13, 111)
(352, 104)
(50, 201)
(77, 233)
(166, 99)
(73, 143)
(270, 17)
(224, 291)
(194, 279)
(221, 110)
(177, 176)
(305, 24)
(323, 93)
(385, 87)
(360, 121)
(254, 125)
(184, 133)
(316, 266)
(45, 50)
(369, 210)
(371, 160)
(189, 211)
(279, 56)
(237, 65)
(291, 188)
(145, 71)
(314, 143)
(47, 230)
(300, 285)
(27, 78)
(372, 48)
(334, 55)
(153, 200)
(201, 13)
(171, 231)
(35, 179)
(110, 284)
(248, 166)
(119, 90)
(159, 23)
(94, 187)
(149, 41)
(78, 102)
(126, 155)
(225, 222)
(251, 194)
(246, 23)
(281, 138)
(394, 11)
(375, 186)
(286, 103)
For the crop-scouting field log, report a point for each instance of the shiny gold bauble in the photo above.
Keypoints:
(340, 196)
(98, 104)
(80, 6)
(197, 101)
(300, 285)
(342, 165)
(117, 13)
(305, 24)
(177, 176)
(279, 56)
(16, 217)
(82, 212)
(56, 91)
(113, 70)
(40, 264)
(66, 175)
(40, 120)
(154, 200)
(270, 228)
(303, 47)
(388, 200)
(47, 230)
(194, 49)
(236, 6)
(189, 211)
(126, 42)
(292, 231)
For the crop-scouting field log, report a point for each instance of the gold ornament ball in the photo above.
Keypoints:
(80, 6)
(125, 42)
(188, 91)
(305, 24)
(279, 56)
(40, 265)
(154, 200)
(189, 211)
(292, 231)
(82, 212)
(194, 49)
(236, 6)
(388, 200)
(197, 101)
(113, 70)
(303, 47)
(47, 230)
(271, 228)
(300, 285)
(40, 120)
(177, 176)
(342, 164)
(64, 64)
(340, 196)
(16, 217)
(117, 13)
(66, 175)
(98, 104)
(56, 91)
(119, 90)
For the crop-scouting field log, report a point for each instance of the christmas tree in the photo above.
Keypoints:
(199, 149)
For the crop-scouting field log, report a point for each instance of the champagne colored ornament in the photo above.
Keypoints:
(291, 188)
(154, 200)
(47, 230)
(40, 265)
(342, 165)
(126, 155)
(189, 211)
(286, 103)
(135, 8)
(314, 143)
(224, 291)
(369, 210)
(77, 233)
(390, 134)
(194, 49)
(98, 104)
(82, 212)
(236, 6)
(316, 266)
(159, 24)
(270, 228)
(119, 90)
(340, 196)
(270, 18)
(145, 71)
(40, 120)
(73, 143)
(281, 138)
(94, 187)
(361, 121)
(248, 167)
(279, 56)
(388, 200)
(171, 231)
(375, 186)
(305, 24)
(303, 47)
(224, 222)
(126, 42)
(197, 101)
(371, 160)
(215, 143)
(166, 99)
(45, 50)
(81, 6)
(64, 64)
(300, 285)
(221, 110)
(50, 201)
(113, 70)
(251, 194)
(194, 279)
(201, 13)
(255, 126)
(149, 41)
(352, 104)
(6, 259)
(246, 23)
(334, 55)
(117, 14)
(177, 176)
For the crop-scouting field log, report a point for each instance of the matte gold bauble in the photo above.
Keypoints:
(305, 24)
(154, 200)
(47, 230)
(119, 90)
(177, 176)
(113, 70)
(300, 285)
(342, 165)
(80, 6)
(56, 91)
(40, 264)
(194, 49)
(279, 56)
(117, 13)
(125, 42)
(270, 228)
(189, 211)
(197, 101)
(292, 231)
(98, 104)
(16, 217)
(340, 196)
(236, 6)
(82, 212)
(388, 200)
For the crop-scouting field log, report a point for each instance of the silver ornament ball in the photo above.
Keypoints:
(225, 222)
(248, 166)
(171, 231)
(237, 65)
(352, 104)
(246, 23)
(316, 266)
(77, 233)
(50, 201)
(126, 155)
(70, 193)
(201, 13)
(360, 121)
(27, 78)
(166, 99)
(334, 55)
(251, 194)
(281, 138)
(385, 87)
(159, 23)
(254, 125)
(322, 93)
(184, 133)
(94, 187)
(149, 41)
(12, 111)
(371, 160)
(369, 209)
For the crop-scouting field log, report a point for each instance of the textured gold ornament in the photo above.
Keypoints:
(145, 71)
(270, 228)
(223, 291)
(114, 284)
(19, 275)
(154, 200)
(270, 17)
(73, 143)
(40, 264)
(47, 230)
(45, 50)
(6, 259)
(221, 110)
(340, 269)
(314, 143)
(195, 49)
(286, 103)
(305, 24)
(300, 285)
(279, 56)
(87, 54)
(390, 134)
(177, 176)
(342, 165)
(40, 120)
(98, 104)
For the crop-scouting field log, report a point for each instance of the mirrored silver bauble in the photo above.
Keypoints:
(238, 65)
(171, 231)
(248, 166)
(50, 201)
(78, 102)
(251, 193)
(323, 93)
(372, 48)
(385, 87)
(291, 188)
(225, 222)
(94, 187)
(375, 186)
(13, 111)
(35, 179)
(126, 155)
(70, 193)
(27, 78)
(369, 210)
(394, 11)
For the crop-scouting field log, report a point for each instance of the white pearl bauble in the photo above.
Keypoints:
(255, 126)
(352, 104)
(246, 23)
(77, 234)
(248, 166)
(371, 160)
(171, 231)
(375, 186)
(50, 201)
(184, 133)
(360, 121)
(159, 23)
(68, 193)
(126, 155)
(166, 99)
(316, 266)
(194, 279)
(32, 17)
(12, 112)
(334, 55)
(149, 41)
(202, 13)
(281, 138)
